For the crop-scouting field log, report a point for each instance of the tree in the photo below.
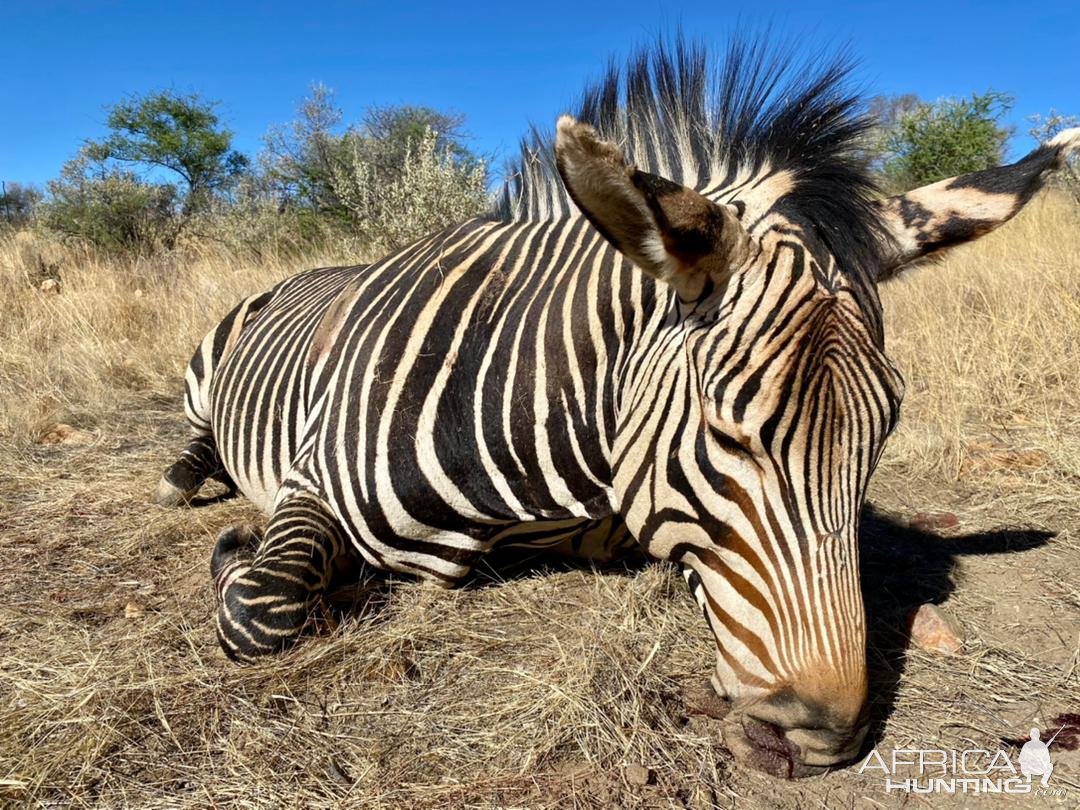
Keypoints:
(884, 113)
(180, 133)
(392, 131)
(18, 202)
(1043, 128)
(110, 206)
(948, 137)
(299, 157)
(308, 157)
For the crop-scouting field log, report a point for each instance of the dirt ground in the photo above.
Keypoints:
(542, 685)
(538, 690)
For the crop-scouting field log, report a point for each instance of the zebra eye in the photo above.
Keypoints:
(736, 445)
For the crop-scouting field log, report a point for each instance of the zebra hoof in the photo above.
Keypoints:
(168, 494)
(233, 543)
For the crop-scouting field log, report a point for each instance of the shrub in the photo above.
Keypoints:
(18, 203)
(400, 173)
(936, 140)
(110, 207)
(432, 189)
(255, 222)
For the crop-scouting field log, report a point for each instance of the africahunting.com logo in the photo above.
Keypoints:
(973, 770)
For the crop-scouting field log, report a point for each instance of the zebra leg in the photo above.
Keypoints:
(183, 479)
(265, 597)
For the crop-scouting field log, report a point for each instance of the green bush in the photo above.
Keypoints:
(945, 138)
(110, 207)
(430, 189)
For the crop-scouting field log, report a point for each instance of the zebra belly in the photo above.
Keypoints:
(448, 556)
(599, 540)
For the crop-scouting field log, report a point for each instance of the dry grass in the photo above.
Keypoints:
(118, 327)
(989, 342)
(540, 690)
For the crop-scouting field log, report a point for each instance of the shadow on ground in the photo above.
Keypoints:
(902, 567)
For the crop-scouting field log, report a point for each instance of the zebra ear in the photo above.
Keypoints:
(671, 232)
(928, 220)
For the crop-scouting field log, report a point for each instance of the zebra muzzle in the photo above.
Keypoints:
(789, 753)
(767, 748)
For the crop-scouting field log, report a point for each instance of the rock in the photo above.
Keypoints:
(50, 286)
(928, 521)
(933, 629)
(64, 434)
(638, 774)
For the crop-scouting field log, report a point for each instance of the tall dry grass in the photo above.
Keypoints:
(118, 327)
(988, 340)
(989, 343)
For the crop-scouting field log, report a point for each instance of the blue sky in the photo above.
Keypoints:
(501, 64)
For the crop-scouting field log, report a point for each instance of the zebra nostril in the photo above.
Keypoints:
(771, 751)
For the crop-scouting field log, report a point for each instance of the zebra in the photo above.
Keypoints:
(667, 334)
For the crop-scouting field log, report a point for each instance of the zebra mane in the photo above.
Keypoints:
(677, 114)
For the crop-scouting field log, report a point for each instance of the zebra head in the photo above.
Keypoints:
(753, 421)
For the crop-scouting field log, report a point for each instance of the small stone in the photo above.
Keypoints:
(933, 629)
(927, 521)
(64, 434)
(50, 286)
(638, 774)
(133, 610)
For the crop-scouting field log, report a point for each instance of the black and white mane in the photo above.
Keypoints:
(677, 113)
